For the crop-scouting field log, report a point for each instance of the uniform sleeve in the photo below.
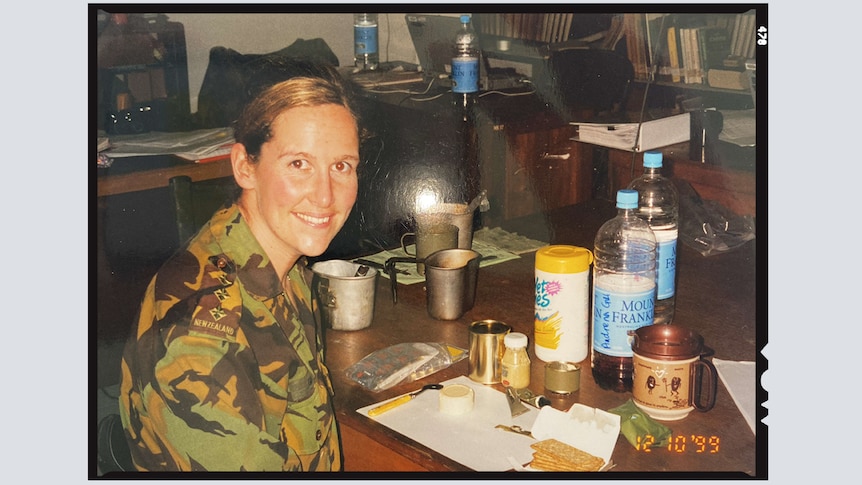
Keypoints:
(204, 402)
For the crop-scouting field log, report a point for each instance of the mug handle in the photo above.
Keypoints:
(705, 375)
(404, 246)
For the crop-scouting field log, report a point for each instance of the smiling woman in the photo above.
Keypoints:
(225, 369)
(300, 184)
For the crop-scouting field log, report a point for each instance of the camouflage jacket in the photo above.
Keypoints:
(225, 368)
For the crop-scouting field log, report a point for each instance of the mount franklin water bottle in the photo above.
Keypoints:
(658, 205)
(624, 288)
(465, 64)
(366, 56)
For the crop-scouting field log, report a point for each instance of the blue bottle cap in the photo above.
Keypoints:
(627, 199)
(652, 159)
(465, 19)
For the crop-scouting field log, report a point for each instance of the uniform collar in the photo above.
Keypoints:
(253, 266)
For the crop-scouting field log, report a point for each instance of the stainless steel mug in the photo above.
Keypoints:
(458, 215)
(428, 239)
(486, 350)
(346, 301)
(450, 282)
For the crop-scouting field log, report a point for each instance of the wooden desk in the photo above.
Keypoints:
(716, 296)
(132, 174)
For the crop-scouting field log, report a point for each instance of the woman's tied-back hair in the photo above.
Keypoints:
(314, 85)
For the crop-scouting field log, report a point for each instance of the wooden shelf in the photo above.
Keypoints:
(695, 87)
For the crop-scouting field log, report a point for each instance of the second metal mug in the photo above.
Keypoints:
(450, 281)
(486, 350)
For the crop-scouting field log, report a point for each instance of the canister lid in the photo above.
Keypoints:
(663, 341)
(562, 258)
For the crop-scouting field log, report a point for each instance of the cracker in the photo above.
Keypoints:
(554, 455)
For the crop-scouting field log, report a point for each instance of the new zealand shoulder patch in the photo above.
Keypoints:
(218, 314)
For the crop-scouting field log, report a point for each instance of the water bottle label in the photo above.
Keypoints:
(617, 314)
(365, 39)
(666, 274)
(465, 75)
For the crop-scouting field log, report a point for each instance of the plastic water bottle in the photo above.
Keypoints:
(366, 56)
(465, 65)
(658, 205)
(624, 290)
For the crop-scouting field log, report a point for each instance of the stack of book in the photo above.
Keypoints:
(692, 48)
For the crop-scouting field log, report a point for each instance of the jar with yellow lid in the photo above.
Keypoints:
(562, 318)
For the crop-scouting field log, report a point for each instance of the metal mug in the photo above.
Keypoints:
(429, 238)
(671, 376)
(458, 215)
(346, 301)
(486, 350)
(451, 276)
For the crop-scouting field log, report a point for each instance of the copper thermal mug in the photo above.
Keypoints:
(671, 377)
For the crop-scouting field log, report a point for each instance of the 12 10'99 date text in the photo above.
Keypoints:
(681, 444)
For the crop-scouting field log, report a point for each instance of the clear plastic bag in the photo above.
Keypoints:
(401, 363)
(709, 227)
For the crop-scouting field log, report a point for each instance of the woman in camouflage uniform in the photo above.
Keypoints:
(225, 368)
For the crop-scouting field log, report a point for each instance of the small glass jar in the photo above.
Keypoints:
(515, 362)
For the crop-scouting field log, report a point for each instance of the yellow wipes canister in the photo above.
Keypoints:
(562, 323)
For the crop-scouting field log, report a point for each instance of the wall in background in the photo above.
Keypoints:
(264, 33)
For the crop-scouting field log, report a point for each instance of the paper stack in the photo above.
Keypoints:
(634, 136)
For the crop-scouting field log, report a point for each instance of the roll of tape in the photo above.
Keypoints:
(456, 399)
(562, 377)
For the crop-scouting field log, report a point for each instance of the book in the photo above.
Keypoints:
(728, 79)
(735, 37)
(747, 35)
(673, 54)
(634, 43)
(630, 135)
(714, 47)
(694, 54)
(687, 61)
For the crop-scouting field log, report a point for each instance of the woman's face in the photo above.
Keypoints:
(301, 190)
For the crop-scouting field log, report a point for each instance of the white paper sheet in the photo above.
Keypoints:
(473, 440)
(470, 439)
(740, 379)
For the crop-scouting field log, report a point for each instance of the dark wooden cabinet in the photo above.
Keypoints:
(538, 169)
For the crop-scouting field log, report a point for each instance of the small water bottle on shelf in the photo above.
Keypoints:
(624, 290)
(365, 45)
(465, 65)
(658, 205)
